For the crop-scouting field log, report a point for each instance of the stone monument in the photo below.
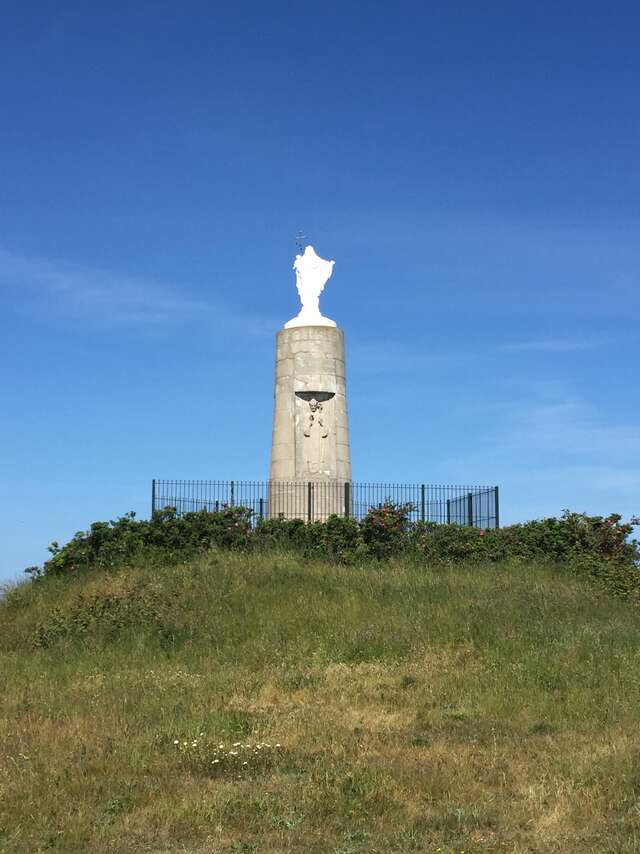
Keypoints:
(310, 457)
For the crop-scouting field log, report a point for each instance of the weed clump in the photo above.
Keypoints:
(202, 755)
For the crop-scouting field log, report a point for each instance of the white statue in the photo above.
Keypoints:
(312, 273)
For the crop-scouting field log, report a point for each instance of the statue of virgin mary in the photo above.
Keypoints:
(312, 274)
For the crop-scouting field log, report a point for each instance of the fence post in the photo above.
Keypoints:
(233, 493)
(448, 511)
(309, 500)
(347, 499)
(497, 505)
(153, 497)
(470, 509)
(422, 501)
(262, 508)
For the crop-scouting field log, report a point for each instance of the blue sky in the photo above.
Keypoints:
(473, 169)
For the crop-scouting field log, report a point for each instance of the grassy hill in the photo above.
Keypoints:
(269, 704)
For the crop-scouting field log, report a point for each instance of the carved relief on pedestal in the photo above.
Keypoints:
(316, 420)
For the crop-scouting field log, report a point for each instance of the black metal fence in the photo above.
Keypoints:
(315, 500)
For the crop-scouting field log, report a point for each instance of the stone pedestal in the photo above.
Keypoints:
(310, 457)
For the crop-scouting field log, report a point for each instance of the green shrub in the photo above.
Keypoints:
(338, 539)
(343, 540)
(166, 537)
(446, 543)
(288, 534)
(595, 546)
(562, 540)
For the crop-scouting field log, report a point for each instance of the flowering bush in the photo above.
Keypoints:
(385, 528)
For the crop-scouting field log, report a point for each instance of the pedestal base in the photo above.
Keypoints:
(310, 425)
(313, 320)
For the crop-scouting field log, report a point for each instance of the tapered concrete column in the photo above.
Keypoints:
(310, 424)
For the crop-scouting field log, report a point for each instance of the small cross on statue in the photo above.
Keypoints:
(300, 241)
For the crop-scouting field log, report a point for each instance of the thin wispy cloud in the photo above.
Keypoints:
(102, 298)
(554, 345)
(555, 421)
(553, 448)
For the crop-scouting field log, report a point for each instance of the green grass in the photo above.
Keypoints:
(468, 709)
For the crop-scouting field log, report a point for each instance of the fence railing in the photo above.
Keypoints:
(477, 506)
